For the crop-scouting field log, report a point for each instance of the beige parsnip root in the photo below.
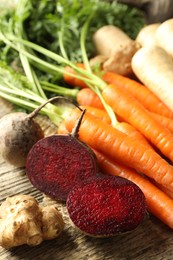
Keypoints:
(146, 36)
(164, 36)
(154, 67)
(117, 47)
(24, 221)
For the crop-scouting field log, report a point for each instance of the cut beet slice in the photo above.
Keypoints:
(106, 205)
(58, 162)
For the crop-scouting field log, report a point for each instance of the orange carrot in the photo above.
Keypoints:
(140, 92)
(87, 97)
(121, 126)
(119, 146)
(132, 132)
(62, 130)
(159, 204)
(165, 121)
(168, 192)
(100, 113)
(131, 111)
(73, 81)
(147, 98)
(165, 190)
(127, 107)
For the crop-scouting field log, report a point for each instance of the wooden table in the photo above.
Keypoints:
(152, 240)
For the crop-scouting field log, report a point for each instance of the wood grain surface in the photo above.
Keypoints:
(152, 240)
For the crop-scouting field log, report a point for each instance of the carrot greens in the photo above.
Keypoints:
(27, 51)
(51, 23)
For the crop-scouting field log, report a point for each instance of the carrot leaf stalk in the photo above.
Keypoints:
(17, 89)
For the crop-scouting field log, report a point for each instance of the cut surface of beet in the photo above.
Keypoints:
(106, 205)
(58, 162)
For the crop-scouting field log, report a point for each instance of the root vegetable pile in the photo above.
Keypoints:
(127, 124)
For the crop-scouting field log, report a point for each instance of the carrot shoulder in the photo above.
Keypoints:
(140, 92)
(159, 204)
(127, 107)
(73, 81)
(99, 113)
(119, 146)
(123, 127)
(87, 97)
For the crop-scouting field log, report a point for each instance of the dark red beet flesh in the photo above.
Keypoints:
(58, 162)
(106, 205)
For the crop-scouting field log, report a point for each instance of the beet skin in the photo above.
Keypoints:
(58, 162)
(106, 205)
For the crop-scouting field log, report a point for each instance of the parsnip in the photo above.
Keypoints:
(154, 67)
(146, 36)
(164, 36)
(117, 48)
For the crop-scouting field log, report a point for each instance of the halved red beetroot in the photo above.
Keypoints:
(106, 205)
(58, 162)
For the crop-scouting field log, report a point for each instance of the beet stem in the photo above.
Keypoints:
(36, 111)
(75, 130)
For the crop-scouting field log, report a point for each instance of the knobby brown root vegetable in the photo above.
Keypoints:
(58, 162)
(117, 47)
(52, 222)
(104, 206)
(146, 36)
(24, 221)
(164, 36)
(154, 67)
